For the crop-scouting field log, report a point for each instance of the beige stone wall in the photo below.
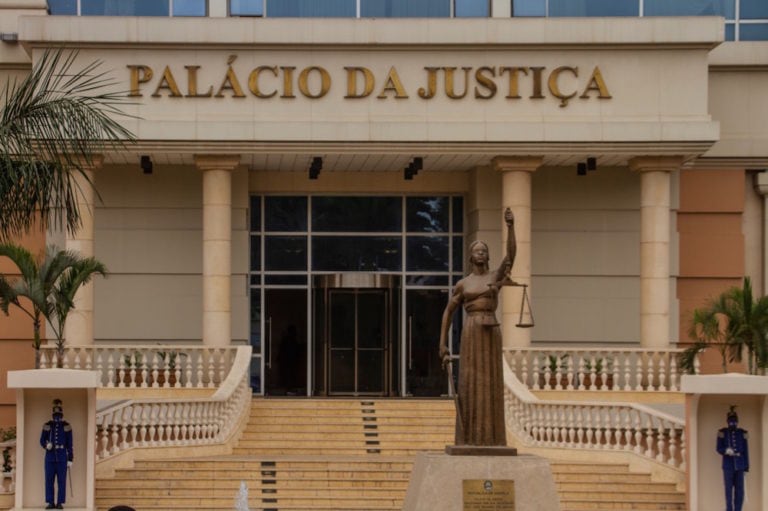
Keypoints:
(149, 234)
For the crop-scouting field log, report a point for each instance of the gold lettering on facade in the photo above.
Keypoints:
(393, 83)
(287, 81)
(486, 82)
(554, 86)
(192, 84)
(253, 81)
(429, 92)
(514, 86)
(449, 82)
(369, 83)
(537, 72)
(596, 83)
(325, 82)
(230, 81)
(139, 74)
(167, 82)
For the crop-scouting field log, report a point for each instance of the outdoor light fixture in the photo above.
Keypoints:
(413, 168)
(315, 167)
(581, 169)
(146, 164)
(591, 163)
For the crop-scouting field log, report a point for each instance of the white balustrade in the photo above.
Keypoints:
(171, 423)
(593, 425)
(596, 369)
(147, 366)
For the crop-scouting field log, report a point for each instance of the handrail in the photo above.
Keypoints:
(593, 425)
(143, 423)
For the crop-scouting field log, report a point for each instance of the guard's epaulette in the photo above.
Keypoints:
(47, 426)
(67, 427)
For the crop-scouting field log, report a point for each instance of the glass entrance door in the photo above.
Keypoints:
(358, 341)
(285, 356)
(424, 312)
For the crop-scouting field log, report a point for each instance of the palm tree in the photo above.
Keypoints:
(51, 124)
(738, 323)
(48, 284)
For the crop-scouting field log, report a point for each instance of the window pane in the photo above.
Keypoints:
(256, 375)
(594, 8)
(255, 253)
(458, 254)
(426, 214)
(427, 253)
(426, 280)
(189, 7)
(255, 208)
(62, 7)
(256, 320)
(730, 31)
(124, 7)
(357, 214)
(255, 280)
(467, 8)
(286, 253)
(753, 32)
(356, 253)
(405, 8)
(246, 7)
(723, 8)
(529, 8)
(458, 214)
(753, 10)
(286, 280)
(285, 213)
(311, 8)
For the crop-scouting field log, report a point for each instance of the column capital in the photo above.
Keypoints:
(761, 182)
(656, 163)
(217, 161)
(517, 163)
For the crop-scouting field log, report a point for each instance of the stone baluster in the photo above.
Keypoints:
(673, 445)
(589, 429)
(604, 375)
(185, 424)
(559, 362)
(639, 371)
(615, 371)
(649, 437)
(660, 437)
(571, 428)
(651, 371)
(638, 425)
(627, 358)
(104, 437)
(536, 374)
(524, 369)
(43, 360)
(662, 372)
(592, 373)
(581, 371)
(617, 434)
(211, 368)
(683, 453)
(628, 429)
(114, 438)
(673, 376)
(89, 356)
(598, 429)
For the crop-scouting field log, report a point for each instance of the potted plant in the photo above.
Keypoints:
(551, 362)
(599, 365)
(170, 357)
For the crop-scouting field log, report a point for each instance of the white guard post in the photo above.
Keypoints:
(707, 401)
(35, 391)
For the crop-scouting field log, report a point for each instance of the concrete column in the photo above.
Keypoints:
(761, 185)
(79, 328)
(217, 246)
(516, 195)
(655, 219)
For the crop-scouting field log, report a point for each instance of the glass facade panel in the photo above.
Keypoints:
(62, 7)
(246, 7)
(458, 214)
(255, 253)
(426, 214)
(529, 8)
(427, 253)
(285, 214)
(725, 8)
(594, 8)
(124, 7)
(472, 8)
(256, 374)
(753, 10)
(753, 32)
(730, 31)
(189, 7)
(311, 8)
(458, 253)
(256, 320)
(357, 214)
(405, 8)
(356, 253)
(255, 213)
(285, 253)
(285, 280)
(426, 280)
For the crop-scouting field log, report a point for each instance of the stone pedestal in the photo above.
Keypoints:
(35, 391)
(439, 481)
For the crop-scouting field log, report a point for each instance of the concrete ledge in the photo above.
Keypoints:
(731, 383)
(53, 378)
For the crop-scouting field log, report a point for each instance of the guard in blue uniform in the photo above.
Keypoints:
(56, 439)
(732, 445)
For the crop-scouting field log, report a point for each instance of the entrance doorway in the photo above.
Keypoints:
(285, 357)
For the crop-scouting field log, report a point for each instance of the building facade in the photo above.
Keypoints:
(308, 181)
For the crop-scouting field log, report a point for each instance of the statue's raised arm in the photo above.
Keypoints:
(502, 272)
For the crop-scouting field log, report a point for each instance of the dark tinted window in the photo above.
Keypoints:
(458, 214)
(405, 8)
(594, 8)
(311, 8)
(356, 253)
(255, 211)
(427, 253)
(255, 253)
(529, 8)
(246, 7)
(124, 7)
(426, 214)
(753, 32)
(753, 10)
(458, 253)
(725, 8)
(189, 7)
(285, 213)
(285, 253)
(357, 214)
(62, 7)
(472, 8)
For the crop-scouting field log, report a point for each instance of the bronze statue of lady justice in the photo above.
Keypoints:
(480, 396)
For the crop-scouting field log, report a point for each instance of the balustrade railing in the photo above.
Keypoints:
(595, 369)
(172, 423)
(8, 477)
(147, 366)
(593, 425)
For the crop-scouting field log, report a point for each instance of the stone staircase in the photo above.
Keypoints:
(346, 454)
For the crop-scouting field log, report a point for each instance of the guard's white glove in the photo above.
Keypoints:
(729, 452)
(48, 446)
(69, 464)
